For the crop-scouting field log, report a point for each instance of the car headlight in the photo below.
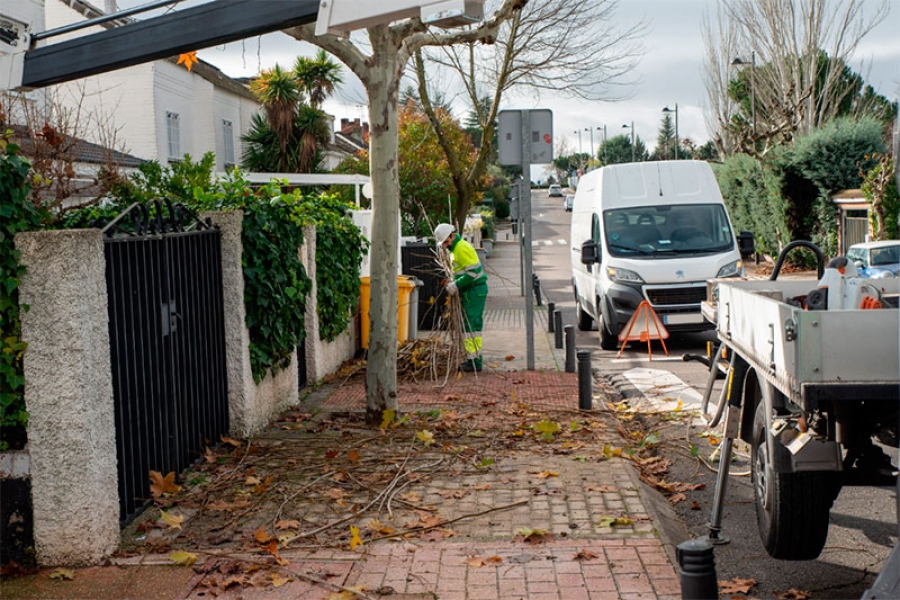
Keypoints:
(732, 269)
(882, 275)
(617, 274)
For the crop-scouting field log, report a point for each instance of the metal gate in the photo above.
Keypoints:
(856, 227)
(167, 336)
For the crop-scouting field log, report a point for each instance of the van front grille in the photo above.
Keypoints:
(685, 295)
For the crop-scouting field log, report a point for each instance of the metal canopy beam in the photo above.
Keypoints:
(190, 29)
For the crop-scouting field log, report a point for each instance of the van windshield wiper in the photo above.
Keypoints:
(629, 248)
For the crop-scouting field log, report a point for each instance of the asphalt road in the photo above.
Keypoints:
(864, 524)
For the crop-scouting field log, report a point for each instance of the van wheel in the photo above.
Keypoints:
(791, 508)
(607, 340)
(585, 321)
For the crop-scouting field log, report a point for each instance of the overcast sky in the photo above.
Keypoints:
(668, 73)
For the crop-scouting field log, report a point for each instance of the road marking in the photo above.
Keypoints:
(562, 242)
(662, 390)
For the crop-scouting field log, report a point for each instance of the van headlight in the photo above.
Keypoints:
(616, 274)
(732, 269)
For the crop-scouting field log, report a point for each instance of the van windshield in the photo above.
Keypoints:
(667, 230)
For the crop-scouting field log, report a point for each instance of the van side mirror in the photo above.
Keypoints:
(590, 252)
(746, 243)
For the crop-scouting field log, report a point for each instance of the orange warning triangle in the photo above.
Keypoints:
(644, 326)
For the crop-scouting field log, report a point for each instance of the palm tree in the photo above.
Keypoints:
(279, 93)
(317, 76)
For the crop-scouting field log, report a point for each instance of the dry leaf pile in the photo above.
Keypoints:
(328, 480)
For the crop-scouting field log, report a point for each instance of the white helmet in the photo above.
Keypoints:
(442, 232)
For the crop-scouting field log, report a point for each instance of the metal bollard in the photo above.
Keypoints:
(570, 348)
(698, 570)
(536, 284)
(585, 380)
(558, 328)
(551, 306)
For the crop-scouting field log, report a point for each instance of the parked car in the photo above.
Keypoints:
(876, 259)
(555, 190)
(568, 202)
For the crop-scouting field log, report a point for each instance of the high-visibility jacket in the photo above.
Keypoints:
(467, 270)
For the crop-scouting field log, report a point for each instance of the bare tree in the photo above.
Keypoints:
(52, 132)
(573, 48)
(797, 75)
(378, 59)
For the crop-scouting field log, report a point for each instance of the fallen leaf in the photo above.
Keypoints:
(262, 487)
(602, 489)
(252, 480)
(353, 456)
(485, 462)
(585, 554)
(261, 536)
(279, 580)
(482, 487)
(231, 441)
(454, 494)
(63, 574)
(792, 594)
(173, 521)
(182, 558)
(676, 498)
(163, 486)
(387, 417)
(411, 497)
(283, 524)
(209, 456)
(736, 586)
(695, 505)
(532, 535)
(425, 436)
(355, 540)
(509, 357)
(547, 474)
(481, 561)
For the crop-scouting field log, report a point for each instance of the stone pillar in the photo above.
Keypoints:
(69, 397)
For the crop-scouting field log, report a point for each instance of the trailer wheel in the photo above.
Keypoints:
(585, 320)
(791, 508)
(607, 340)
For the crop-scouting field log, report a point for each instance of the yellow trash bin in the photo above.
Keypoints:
(405, 287)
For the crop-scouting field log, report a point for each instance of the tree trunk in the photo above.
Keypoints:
(383, 86)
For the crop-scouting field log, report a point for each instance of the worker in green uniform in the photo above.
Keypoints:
(470, 281)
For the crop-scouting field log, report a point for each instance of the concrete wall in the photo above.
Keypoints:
(68, 394)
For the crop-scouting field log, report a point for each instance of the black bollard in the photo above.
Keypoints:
(585, 380)
(698, 570)
(558, 328)
(536, 284)
(551, 306)
(570, 348)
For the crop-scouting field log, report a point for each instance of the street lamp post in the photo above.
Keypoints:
(579, 140)
(604, 141)
(669, 110)
(737, 62)
(627, 126)
(591, 131)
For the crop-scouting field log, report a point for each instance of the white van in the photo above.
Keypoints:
(651, 231)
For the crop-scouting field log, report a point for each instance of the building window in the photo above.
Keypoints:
(227, 143)
(173, 135)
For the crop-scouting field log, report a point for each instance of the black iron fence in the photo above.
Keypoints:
(166, 324)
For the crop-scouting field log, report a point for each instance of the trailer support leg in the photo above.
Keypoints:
(715, 520)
